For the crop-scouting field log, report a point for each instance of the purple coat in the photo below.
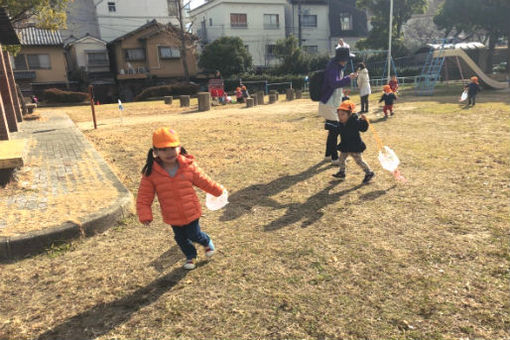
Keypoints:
(332, 80)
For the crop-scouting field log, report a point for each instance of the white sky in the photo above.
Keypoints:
(195, 3)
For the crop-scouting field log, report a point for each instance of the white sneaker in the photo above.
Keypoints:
(189, 265)
(335, 162)
(209, 249)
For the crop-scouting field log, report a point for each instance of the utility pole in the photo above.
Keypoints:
(389, 40)
(183, 39)
(300, 32)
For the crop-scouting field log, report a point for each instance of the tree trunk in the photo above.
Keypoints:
(183, 40)
(490, 55)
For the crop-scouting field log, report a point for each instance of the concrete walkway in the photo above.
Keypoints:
(65, 190)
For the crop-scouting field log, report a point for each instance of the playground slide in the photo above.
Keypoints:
(481, 75)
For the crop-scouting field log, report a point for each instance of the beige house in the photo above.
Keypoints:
(89, 54)
(41, 61)
(152, 50)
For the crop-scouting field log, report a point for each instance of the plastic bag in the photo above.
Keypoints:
(216, 203)
(388, 159)
(463, 96)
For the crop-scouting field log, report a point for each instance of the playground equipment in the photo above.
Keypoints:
(216, 88)
(431, 71)
(373, 65)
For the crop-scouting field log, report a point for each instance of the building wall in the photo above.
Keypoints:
(79, 55)
(312, 36)
(255, 36)
(81, 19)
(129, 15)
(58, 69)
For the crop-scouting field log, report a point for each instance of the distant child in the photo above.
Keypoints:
(171, 173)
(239, 95)
(245, 92)
(473, 88)
(351, 144)
(389, 98)
(346, 95)
(393, 84)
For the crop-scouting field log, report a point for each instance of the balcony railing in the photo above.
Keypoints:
(24, 75)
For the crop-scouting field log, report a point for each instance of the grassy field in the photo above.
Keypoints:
(300, 255)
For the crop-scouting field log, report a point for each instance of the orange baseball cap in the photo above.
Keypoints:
(474, 79)
(386, 88)
(347, 105)
(165, 138)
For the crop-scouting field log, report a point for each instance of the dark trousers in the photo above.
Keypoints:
(186, 235)
(332, 141)
(364, 103)
(471, 99)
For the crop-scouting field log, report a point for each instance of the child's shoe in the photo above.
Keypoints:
(335, 162)
(209, 249)
(340, 174)
(190, 264)
(368, 177)
(392, 113)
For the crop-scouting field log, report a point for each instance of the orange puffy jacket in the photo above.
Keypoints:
(177, 197)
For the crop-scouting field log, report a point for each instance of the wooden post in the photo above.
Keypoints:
(299, 94)
(290, 94)
(275, 92)
(4, 128)
(184, 101)
(24, 109)
(204, 101)
(260, 98)
(13, 85)
(272, 98)
(92, 106)
(5, 91)
(250, 102)
(168, 100)
(255, 101)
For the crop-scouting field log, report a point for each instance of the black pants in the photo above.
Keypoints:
(471, 99)
(364, 103)
(332, 141)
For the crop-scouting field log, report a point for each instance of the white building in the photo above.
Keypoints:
(88, 54)
(259, 24)
(314, 24)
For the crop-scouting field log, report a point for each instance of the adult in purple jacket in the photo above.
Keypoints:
(331, 97)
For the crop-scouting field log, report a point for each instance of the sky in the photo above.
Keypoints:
(195, 3)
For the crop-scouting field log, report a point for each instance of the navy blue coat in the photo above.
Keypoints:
(350, 134)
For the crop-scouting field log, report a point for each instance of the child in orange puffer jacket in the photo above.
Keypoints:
(171, 175)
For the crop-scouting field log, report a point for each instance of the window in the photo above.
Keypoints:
(169, 52)
(20, 63)
(312, 49)
(97, 58)
(309, 21)
(238, 20)
(135, 54)
(210, 21)
(38, 61)
(111, 7)
(271, 21)
(346, 21)
(270, 51)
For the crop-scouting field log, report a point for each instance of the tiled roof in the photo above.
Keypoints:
(8, 36)
(32, 36)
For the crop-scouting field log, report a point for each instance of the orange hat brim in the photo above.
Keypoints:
(168, 145)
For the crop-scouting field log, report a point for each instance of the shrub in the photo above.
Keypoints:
(168, 90)
(59, 96)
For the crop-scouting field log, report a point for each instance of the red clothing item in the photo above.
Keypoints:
(393, 85)
(386, 108)
(176, 195)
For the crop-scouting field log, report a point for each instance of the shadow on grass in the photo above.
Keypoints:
(311, 210)
(102, 318)
(243, 200)
(373, 195)
(167, 259)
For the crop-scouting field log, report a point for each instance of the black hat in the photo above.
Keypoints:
(343, 54)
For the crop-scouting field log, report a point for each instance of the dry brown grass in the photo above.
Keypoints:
(299, 255)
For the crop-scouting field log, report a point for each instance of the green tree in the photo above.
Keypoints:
(485, 17)
(49, 14)
(292, 58)
(226, 54)
(402, 12)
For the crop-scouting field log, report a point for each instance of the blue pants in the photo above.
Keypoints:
(186, 235)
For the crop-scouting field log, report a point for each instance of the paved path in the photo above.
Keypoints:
(65, 190)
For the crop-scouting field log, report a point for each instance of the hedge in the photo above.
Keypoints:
(167, 90)
(59, 96)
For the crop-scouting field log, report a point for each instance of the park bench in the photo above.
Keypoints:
(12, 153)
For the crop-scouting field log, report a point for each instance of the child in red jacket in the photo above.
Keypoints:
(389, 98)
(172, 175)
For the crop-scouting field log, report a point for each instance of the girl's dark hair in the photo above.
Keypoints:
(147, 168)
(361, 66)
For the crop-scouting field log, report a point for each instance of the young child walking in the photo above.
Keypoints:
(171, 173)
(389, 98)
(349, 128)
(473, 88)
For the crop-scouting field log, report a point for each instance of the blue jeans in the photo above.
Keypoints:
(186, 235)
